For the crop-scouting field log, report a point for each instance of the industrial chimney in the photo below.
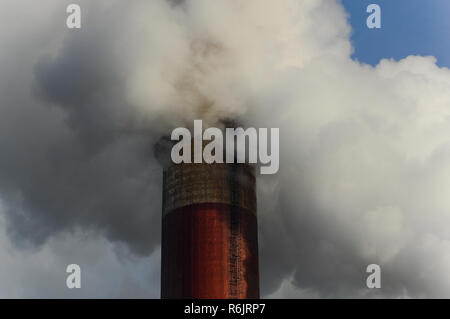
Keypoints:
(209, 232)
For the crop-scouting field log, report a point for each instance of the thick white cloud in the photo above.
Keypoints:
(107, 270)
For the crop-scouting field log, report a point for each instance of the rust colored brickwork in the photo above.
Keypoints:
(209, 232)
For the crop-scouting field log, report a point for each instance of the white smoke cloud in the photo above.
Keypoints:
(365, 151)
(107, 270)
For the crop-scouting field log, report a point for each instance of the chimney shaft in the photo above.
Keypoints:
(209, 232)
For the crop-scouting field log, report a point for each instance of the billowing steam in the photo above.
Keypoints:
(365, 151)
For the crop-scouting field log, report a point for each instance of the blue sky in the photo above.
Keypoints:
(409, 27)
